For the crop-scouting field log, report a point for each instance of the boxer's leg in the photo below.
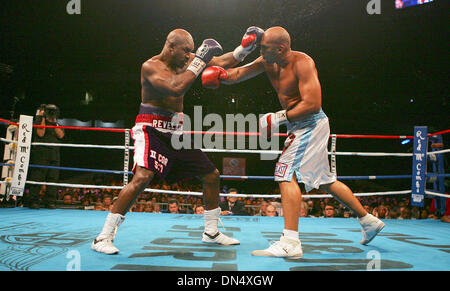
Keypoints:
(289, 244)
(371, 225)
(211, 183)
(127, 196)
(345, 196)
(291, 197)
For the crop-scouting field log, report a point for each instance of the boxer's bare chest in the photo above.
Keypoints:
(285, 83)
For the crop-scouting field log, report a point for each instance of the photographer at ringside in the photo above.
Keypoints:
(47, 156)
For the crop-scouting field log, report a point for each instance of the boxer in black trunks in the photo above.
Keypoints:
(165, 78)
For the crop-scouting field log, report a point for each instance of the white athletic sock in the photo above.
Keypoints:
(364, 218)
(211, 217)
(113, 220)
(291, 234)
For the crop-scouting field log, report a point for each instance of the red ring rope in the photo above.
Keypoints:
(234, 133)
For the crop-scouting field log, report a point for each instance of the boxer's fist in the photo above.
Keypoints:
(252, 37)
(208, 50)
(250, 40)
(269, 122)
(212, 76)
(204, 55)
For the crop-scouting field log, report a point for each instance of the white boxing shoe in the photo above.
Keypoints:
(219, 238)
(371, 226)
(104, 246)
(103, 243)
(284, 248)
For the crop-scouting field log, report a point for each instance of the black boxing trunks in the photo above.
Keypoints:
(153, 148)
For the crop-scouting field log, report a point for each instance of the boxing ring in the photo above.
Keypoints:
(58, 240)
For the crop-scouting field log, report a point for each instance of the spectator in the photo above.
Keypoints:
(424, 214)
(85, 201)
(316, 212)
(304, 209)
(156, 208)
(148, 206)
(381, 212)
(394, 213)
(232, 206)
(107, 203)
(67, 199)
(199, 209)
(98, 206)
(174, 207)
(140, 206)
(405, 213)
(368, 208)
(262, 208)
(347, 214)
(446, 216)
(271, 211)
(329, 211)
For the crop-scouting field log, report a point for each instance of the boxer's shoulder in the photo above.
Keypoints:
(302, 63)
(303, 58)
(154, 66)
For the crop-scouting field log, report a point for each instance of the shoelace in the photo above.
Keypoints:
(220, 220)
(276, 245)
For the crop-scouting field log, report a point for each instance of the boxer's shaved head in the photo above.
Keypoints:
(275, 44)
(178, 47)
(179, 37)
(277, 35)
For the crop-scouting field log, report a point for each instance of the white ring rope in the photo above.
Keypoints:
(221, 194)
(227, 151)
(437, 194)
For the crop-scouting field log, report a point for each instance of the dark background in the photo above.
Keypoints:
(380, 74)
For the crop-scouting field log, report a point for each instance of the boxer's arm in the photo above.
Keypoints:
(240, 74)
(166, 82)
(309, 88)
(225, 61)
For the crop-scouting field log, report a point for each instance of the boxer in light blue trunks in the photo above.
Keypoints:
(305, 157)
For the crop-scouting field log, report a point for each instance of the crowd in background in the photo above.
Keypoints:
(384, 207)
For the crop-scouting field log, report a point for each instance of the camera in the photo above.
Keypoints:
(51, 111)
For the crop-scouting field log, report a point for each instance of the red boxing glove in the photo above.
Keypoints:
(248, 40)
(212, 76)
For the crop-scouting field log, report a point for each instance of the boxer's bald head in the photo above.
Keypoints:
(275, 43)
(277, 35)
(178, 47)
(179, 36)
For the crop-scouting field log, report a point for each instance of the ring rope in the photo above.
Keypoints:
(230, 195)
(221, 194)
(230, 133)
(437, 194)
(119, 172)
(222, 150)
(226, 150)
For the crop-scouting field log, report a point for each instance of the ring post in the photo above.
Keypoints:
(438, 168)
(419, 166)
(333, 154)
